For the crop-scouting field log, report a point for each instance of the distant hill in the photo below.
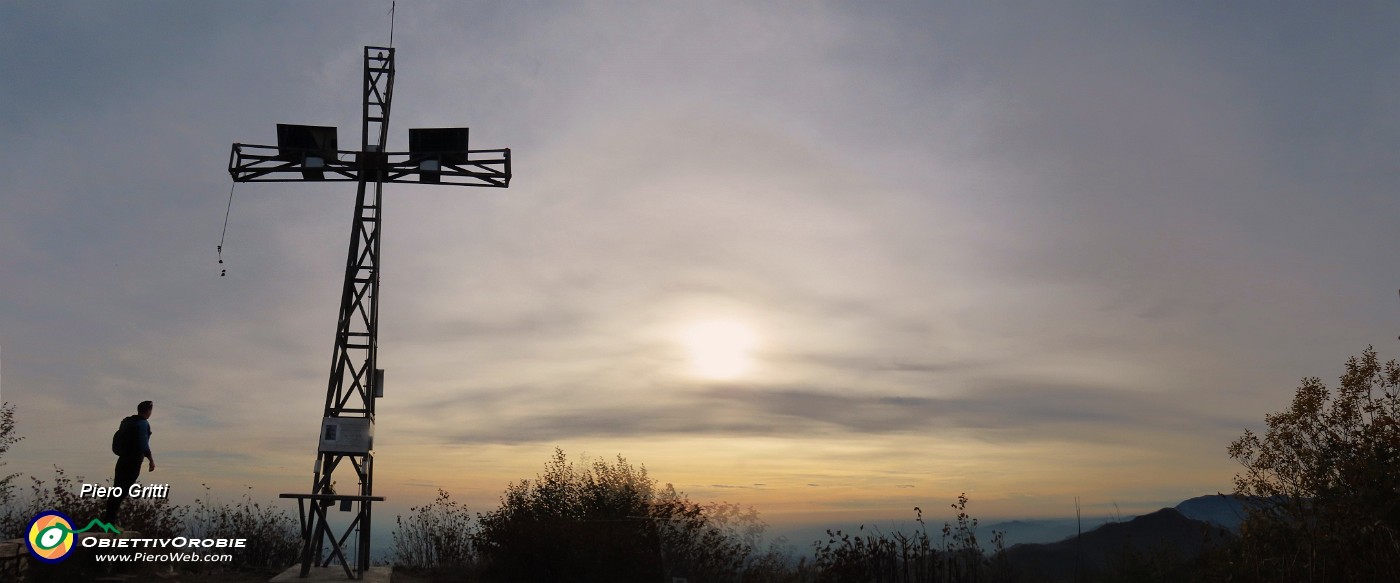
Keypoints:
(1225, 510)
(1047, 548)
(1036, 530)
(1166, 530)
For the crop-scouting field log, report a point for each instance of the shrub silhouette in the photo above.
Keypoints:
(911, 558)
(7, 439)
(611, 522)
(436, 536)
(154, 517)
(271, 535)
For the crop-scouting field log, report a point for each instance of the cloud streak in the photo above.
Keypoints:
(1003, 412)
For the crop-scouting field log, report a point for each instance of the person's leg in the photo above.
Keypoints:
(127, 472)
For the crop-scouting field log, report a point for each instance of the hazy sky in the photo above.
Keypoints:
(1027, 253)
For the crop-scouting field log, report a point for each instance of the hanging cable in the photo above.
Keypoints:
(222, 271)
(392, 6)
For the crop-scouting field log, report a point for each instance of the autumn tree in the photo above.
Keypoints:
(1324, 481)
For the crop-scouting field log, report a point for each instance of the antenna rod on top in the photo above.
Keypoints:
(392, 6)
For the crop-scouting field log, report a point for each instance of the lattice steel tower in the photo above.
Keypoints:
(435, 156)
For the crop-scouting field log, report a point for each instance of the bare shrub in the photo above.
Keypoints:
(272, 538)
(869, 555)
(437, 535)
(611, 522)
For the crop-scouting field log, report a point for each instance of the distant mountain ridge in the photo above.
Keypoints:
(1166, 530)
(1035, 530)
(1047, 549)
(1225, 510)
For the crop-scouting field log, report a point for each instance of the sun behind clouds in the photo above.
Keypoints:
(719, 349)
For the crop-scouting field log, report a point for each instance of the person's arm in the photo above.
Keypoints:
(145, 432)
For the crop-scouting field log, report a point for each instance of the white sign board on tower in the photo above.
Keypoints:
(347, 435)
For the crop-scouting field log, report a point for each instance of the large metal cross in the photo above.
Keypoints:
(435, 156)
